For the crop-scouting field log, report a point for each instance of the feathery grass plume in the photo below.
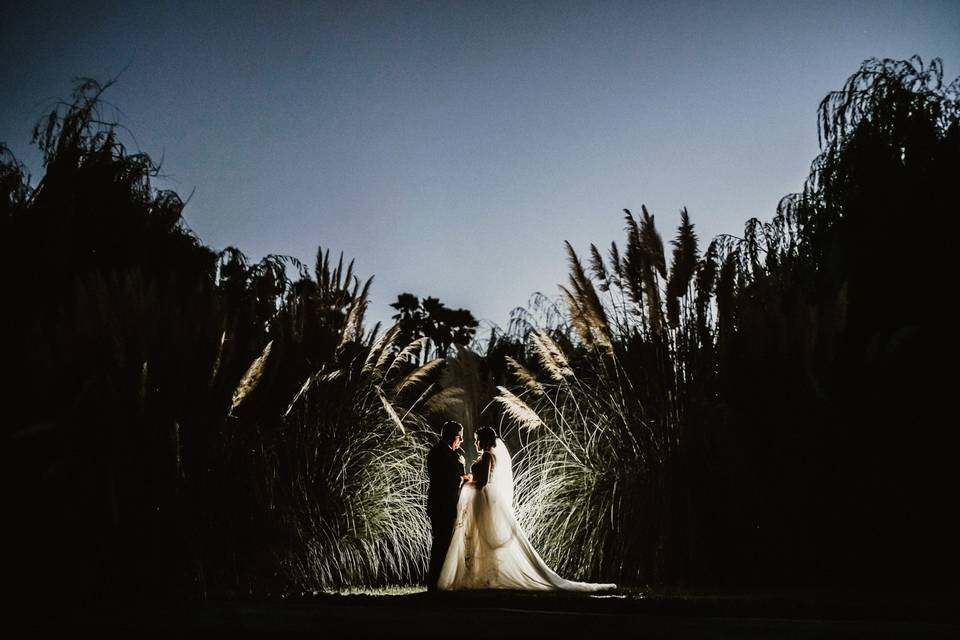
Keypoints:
(616, 263)
(586, 310)
(417, 376)
(371, 337)
(654, 265)
(634, 261)
(526, 378)
(598, 268)
(333, 289)
(381, 346)
(248, 383)
(682, 269)
(551, 357)
(652, 242)
(706, 280)
(388, 353)
(408, 355)
(579, 317)
(353, 325)
(518, 410)
(725, 292)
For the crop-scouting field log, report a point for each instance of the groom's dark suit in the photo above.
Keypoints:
(444, 468)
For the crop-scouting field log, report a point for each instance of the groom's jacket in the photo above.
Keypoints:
(444, 468)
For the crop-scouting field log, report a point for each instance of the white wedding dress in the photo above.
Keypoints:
(489, 550)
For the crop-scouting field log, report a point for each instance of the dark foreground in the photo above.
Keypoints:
(487, 614)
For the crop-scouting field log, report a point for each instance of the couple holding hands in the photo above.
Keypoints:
(477, 541)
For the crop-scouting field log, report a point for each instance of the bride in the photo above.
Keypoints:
(489, 550)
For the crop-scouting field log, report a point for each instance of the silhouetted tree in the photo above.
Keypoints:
(430, 318)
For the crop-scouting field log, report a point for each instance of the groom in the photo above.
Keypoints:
(445, 466)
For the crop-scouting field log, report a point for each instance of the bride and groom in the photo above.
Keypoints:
(477, 541)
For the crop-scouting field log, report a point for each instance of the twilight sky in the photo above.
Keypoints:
(451, 148)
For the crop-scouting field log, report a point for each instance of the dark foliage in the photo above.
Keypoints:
(777, 409)
(162, 414)
(773, 411)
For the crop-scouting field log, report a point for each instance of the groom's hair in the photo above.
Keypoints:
(450, 430)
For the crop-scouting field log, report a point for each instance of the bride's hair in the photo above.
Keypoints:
(486, 438)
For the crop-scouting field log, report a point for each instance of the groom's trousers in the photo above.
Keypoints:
(441, 525)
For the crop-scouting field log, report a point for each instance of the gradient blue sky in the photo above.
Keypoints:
(451, 148)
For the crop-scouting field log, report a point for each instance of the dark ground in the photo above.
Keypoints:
(489, 614)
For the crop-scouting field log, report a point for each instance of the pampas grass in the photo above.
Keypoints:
(354, 489)
(671, 438)
(248, 383)
(190, 422)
